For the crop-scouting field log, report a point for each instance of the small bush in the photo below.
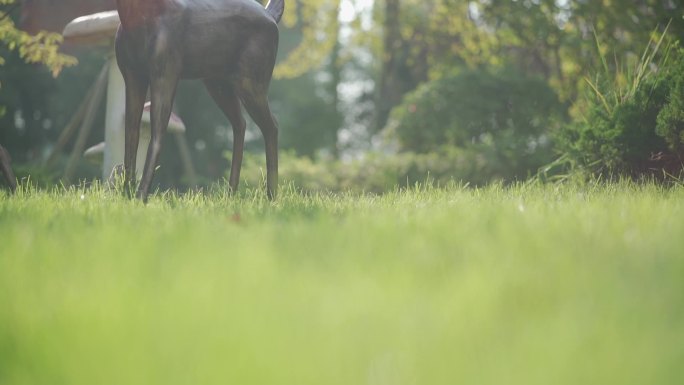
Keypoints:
(670, 122)
(504, 119)
(376, 172)
(35, 175)
(633, 121)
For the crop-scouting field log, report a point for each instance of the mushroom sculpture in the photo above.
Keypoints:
(95, 154)
(99, 30)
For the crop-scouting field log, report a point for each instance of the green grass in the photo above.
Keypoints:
(521, 285)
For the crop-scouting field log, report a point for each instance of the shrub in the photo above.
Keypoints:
(670, 123)
(376, 172)
(504, 119)
(35, 176)
(632, 121)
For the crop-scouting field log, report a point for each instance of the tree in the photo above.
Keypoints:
(558, 39)
(504, 117)
(41, 48)
(305, 92)
(422, 41)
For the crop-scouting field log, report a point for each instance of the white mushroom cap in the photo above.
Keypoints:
(176, 124)
(95, 154)
(98, 28)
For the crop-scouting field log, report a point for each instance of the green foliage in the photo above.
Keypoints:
(505, 117)
(520, 286)
(379, 173)
(632, 121)
(307, 118)
(670, 123)
(18, 48)
(41, 48)
(318, 22)
(553, 37)
(35, 176)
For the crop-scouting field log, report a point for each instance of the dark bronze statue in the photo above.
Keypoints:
(7, 169)
(230, 44)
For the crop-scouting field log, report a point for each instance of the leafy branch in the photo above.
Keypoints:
(41, 48)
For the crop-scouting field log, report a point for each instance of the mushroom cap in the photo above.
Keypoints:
(176, 124)
(95, 154)
(96, 29)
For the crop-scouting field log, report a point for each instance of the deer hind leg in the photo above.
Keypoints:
(256, 104)
(6, 168)
(224, 95)
(163, 84)
(256, 69)
(136, 92)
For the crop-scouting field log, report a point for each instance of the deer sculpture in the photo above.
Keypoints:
(229, 44)
(6, 169)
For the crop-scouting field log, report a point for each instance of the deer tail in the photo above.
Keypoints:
(275, 8)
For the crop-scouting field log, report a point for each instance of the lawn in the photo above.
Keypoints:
(501, 285)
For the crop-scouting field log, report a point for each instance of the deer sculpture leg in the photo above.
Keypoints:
(162, 91)
(225, 97)
(256, 69)
(258, 109)
(6, 168)
(136, 92)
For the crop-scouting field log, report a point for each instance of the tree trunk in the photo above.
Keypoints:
(404, 64)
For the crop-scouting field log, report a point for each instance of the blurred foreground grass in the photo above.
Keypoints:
(521, 285)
